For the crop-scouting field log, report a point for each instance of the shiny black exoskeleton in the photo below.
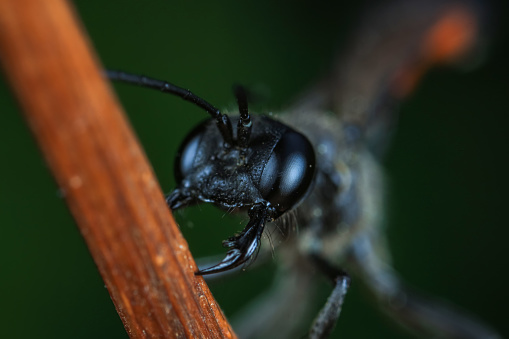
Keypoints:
(276, 168)
(263, 166)
(269, 176)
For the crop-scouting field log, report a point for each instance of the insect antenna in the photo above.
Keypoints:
(244, 125)
(223, 122)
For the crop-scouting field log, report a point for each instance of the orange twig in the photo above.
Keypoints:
(104, 174)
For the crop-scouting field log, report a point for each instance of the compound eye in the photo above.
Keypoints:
(288, 174)
(185, 160)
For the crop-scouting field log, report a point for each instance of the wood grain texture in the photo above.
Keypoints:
(104, 175)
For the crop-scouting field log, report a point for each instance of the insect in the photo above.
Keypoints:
(336, 174)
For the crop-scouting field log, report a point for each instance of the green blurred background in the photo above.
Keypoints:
(448, 166)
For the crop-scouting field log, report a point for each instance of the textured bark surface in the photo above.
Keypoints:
(103, 174)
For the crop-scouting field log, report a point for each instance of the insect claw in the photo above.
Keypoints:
(176, 200)
(233, 258)
(242, 246)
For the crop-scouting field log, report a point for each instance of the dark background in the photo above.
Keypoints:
(447, 166)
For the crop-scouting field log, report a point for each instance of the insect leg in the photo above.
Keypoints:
(280, 311)
(327, 317)
(418, 313)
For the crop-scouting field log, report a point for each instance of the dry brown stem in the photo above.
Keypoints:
(104, 174)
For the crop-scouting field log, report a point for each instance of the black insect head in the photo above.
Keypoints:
(262, 165)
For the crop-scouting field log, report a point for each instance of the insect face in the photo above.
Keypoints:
(268, 177)
(277, 168)
(263, 166)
